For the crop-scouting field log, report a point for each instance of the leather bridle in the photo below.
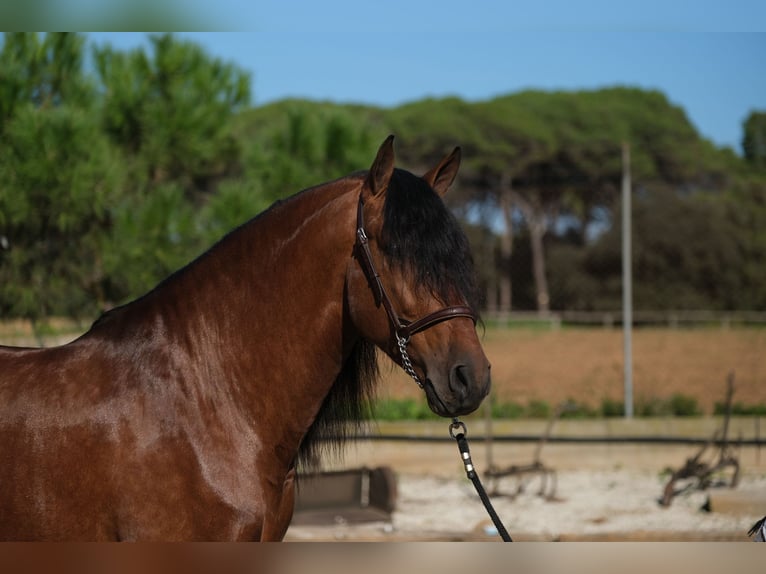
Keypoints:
(403, 329)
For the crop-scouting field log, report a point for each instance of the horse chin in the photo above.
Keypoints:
(445, 408)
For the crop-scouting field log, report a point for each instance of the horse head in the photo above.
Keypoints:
(411, 286)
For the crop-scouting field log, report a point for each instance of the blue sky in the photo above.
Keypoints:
(708, 57)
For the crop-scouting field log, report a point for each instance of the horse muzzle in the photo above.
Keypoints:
(460, 389)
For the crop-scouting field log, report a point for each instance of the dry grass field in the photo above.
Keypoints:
(586, 364)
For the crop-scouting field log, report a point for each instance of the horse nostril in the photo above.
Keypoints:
(460, 380)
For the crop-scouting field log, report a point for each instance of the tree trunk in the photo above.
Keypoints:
(506, 246)
(536, 233)
(535, 217)
(492, 279)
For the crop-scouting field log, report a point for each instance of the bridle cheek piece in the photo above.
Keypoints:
(403, 329)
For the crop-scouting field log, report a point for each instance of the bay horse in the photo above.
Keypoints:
(184, 414)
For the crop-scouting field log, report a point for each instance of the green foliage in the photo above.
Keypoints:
(42, 72)
(754, 140)
(59, 179)
(741, 409)
(573, 409)
(172, 111)
(745, 207)
(651, 407)
(684, 406)
(509, 410)
(295, 144)
(538, 409)
(102, 175)
(678, 404)
(235, 202)
(558, 156)
(150, 237)
(141, 164)
(402, 410)
(611, 408)
(690, 242)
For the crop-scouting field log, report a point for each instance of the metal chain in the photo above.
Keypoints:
(406, 362)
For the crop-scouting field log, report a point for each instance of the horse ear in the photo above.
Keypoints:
(441, 177)
(382, 168)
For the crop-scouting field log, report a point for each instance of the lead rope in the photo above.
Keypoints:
(462, 444)
(465, 455)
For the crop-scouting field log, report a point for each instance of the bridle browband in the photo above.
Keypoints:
(403, 329)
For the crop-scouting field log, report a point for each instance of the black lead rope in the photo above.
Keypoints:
(465, 455)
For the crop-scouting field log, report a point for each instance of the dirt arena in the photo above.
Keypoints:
(604, 492)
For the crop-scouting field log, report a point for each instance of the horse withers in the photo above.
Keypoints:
(183, 415)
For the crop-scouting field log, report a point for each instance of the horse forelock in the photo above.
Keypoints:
(423, 236)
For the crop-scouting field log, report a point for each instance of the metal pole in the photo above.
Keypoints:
(627, 284)
(488, 429)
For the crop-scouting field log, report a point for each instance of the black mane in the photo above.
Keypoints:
(421, 235)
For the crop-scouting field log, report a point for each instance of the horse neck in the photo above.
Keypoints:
(262, 311)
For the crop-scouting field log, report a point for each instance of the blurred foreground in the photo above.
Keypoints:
(604, 491)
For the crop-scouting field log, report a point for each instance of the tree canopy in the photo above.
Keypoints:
(114, 175)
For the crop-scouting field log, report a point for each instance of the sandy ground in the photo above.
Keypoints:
(604, 492)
